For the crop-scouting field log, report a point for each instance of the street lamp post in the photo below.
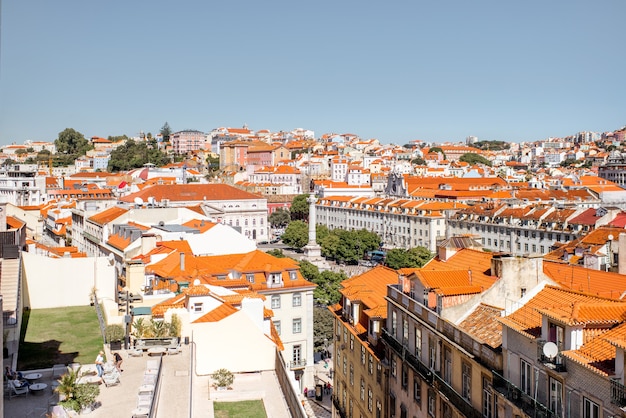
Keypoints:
(127, 322)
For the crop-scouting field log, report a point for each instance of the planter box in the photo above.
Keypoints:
(115, 345)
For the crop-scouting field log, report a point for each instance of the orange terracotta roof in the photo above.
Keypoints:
(599, 353)
(527, 319)
(581, 279)
(190, 192)
(217, 314)
(482, 324)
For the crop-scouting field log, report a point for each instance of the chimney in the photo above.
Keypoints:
(182, 261)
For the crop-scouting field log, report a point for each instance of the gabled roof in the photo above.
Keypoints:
(581, 279)
(370, 288)
(599, 353)
(107, 215)
(527, 319)
(482, 323)
(190, 192)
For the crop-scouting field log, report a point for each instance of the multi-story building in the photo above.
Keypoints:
(400, 223)
(225, 204)
(21, 185)
(187, 141)
(360, 379)
(614, 169)
(526, 229)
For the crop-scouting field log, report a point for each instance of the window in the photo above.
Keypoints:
(526, 377)
(197, 307)
(370, 399)
(431, 403)
(405, 330)
(351, 375)
(275, 301)
(405, 376)
(392, 405)
(393, 323)
(417, 390)
(297, 325)
(393, 366)
(556, 334)
(362, 389)
(351, 341)
(556, 396)
(590, 409)
(250, 278)
(297, 354)
(432, 353)
(487, 399)
(466, 377)
(447, 365)
(297, 299)
(293, 275)
(418, 343)
(403, 411)
(363, 355)
(277, 326)
(370, 364)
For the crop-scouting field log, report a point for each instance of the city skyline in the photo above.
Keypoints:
(400, 72)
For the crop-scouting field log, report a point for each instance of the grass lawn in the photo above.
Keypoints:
(59, 336)
(241, 409)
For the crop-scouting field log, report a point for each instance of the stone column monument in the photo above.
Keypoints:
(312, 251)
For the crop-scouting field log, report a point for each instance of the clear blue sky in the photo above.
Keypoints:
(396, 71)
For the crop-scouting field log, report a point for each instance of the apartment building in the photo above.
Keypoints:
(401, 223)
(359, 380)
(526, 229)
(188, 141)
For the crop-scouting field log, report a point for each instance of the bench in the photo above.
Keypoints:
(146, 343)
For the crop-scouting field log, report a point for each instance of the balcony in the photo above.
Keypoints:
(556, 363)
(403, 353)
(520, 399)
(618, 393)
(297, 365)
(341, 411)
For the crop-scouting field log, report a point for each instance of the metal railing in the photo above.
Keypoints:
(618, 393)
(521, 399)
(299, 364)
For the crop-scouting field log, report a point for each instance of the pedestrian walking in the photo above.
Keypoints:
(100, 363)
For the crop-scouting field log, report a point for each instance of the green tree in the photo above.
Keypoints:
(135, 154)
(72, 142)
(299, 207)
(309, 270)
(348, 246)
(328, 285)
(118, 138)
(276, 252)
(297, 234)
(472, 158)
(438, 149)
(279, 218)
(418, 161)
(213, 164)
(398, 258)
(166, 131)
(323, 325)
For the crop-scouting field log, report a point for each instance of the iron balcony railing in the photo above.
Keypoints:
(337, 404)
(556, 363)
(296, 365)
(618, 393)
(521, 399)
(425, 373)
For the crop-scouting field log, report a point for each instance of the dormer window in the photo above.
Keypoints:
(198, 307)
(556, 334)
(293, 275)
(250, 278)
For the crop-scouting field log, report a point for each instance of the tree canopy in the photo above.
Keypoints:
(398, 258)
(134, 155)
(323, 326)
(300, 208)
(296, 234)
(166, 131)
(72, 142)
(348, 246)
(438, 149)
(491, 145)
(279, 218)
(328, 283)
(472, 158)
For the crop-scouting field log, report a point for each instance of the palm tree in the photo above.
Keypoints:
(140, 328)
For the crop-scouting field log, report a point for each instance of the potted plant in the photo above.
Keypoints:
(223, 379)
(114, 335)
(78, 397)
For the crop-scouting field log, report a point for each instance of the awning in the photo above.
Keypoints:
(141, 310)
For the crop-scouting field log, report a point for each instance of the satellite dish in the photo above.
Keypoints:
(550, 350)
(138, 201)
(196, 282)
